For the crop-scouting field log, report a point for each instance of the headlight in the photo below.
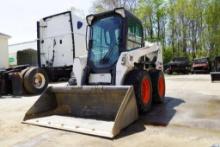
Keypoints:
(90, 19)
(120, 11)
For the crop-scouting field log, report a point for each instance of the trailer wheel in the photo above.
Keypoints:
(23, 72)
(158, 83)
(141, 82)
(169, 72)
(35, 80)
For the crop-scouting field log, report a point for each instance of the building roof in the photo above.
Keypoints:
(4, 35)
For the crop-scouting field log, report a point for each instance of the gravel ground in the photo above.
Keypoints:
(189, 117)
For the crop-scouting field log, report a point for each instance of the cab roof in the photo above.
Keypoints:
(127, 15)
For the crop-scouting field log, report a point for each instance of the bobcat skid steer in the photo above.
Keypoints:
(121, 78)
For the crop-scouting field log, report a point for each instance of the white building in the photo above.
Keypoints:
(4, 50)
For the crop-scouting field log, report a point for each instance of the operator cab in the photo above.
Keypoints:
(110, 34)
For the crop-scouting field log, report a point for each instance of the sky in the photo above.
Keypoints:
(18, 17)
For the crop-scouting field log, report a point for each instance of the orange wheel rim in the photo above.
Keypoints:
(145, 91)
(161, 86)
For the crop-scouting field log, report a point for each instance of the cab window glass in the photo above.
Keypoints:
(134, 35)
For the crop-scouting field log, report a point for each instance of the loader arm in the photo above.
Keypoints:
(128, 59)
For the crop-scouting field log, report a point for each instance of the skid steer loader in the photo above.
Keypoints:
(121, 78)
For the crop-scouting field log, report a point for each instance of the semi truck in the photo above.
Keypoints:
(60, 39)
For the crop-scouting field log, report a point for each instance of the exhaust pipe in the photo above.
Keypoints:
(96, 110)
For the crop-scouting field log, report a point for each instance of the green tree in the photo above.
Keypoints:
(213, 26)
(184, 27)
(145, 12)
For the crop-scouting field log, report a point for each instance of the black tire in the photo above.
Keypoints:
(29, 80)
(23, 72)
(158, 88)
(136, 78)
(169, 72)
